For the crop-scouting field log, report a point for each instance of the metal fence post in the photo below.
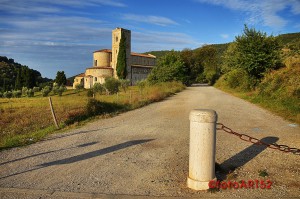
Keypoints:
(202, 148)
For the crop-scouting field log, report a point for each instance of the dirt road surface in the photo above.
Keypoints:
(144, 154)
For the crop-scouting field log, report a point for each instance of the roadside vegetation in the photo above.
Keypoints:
(27, 119)
(260, 69)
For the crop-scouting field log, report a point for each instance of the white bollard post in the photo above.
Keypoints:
(202, 148)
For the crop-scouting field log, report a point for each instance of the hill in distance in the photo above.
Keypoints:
(289, 40)
(15, 76)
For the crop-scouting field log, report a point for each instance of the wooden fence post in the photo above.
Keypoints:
(53, 113)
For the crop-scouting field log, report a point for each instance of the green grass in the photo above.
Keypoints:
(263, 173)
(27, 120)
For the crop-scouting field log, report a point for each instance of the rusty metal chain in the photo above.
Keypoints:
(253, 140)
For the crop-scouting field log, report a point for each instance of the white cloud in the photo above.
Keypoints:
(264, 12)
(157, 20)
(155, 40)
(224, 36)
(54, 6)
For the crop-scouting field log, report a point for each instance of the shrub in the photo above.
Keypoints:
(141, 84)
(30, 93)
(61, 89)
(7, 94)
(98, 88)
(211, 76)
(95, 107)
(17, 94)
(24, 91)
(124, 84)
(112, 85)
(45, 91)
(90, 93)
(78, 87)
(55, 89)
(239, 79)
(1, 94)
(201, 78)
(75, 116)
(36, 89)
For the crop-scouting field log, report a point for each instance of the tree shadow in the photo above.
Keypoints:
(241, 158)
(84, 156)
(199, 85)
(53, 151)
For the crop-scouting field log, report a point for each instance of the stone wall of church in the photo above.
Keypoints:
(102, 59)
(96, 75)
(143, 61)
(99, 72)
(78, 80)
(139, 73)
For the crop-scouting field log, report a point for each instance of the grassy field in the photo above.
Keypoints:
(27, 120)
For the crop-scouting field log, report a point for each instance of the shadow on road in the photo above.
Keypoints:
(243, 157)
(199, 85)
(84, 156)
(96, 153)
(47, 152)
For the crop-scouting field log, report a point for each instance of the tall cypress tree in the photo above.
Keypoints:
(18, 81)
(121, 61)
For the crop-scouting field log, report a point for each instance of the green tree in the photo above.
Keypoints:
(46, 90)
(112, 85)
(18, 80)
(61, 78)
(30, 93)
(189, 62)
(98, 88)
(255, 52)
(17, 93)
(79, 87)
(121, 61)
(170, 67)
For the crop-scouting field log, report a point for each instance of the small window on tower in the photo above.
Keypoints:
(117, 39)
(95, 79)
(95, 62)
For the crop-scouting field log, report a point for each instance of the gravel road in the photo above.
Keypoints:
(144, 153)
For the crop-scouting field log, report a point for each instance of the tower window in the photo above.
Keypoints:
(117, 39)
(95, 62)
(95, 79)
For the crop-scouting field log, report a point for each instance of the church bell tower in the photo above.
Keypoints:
(116, 38)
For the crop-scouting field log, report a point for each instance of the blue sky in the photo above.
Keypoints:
(62, 34)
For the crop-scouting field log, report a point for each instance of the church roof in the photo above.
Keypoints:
(80, 75)
(103, 50)
(100, 67)
(142, 55)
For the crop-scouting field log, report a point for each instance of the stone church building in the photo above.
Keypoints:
(105, 62)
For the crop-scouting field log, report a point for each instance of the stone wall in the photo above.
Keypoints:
(101, 59)
(139, 73)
